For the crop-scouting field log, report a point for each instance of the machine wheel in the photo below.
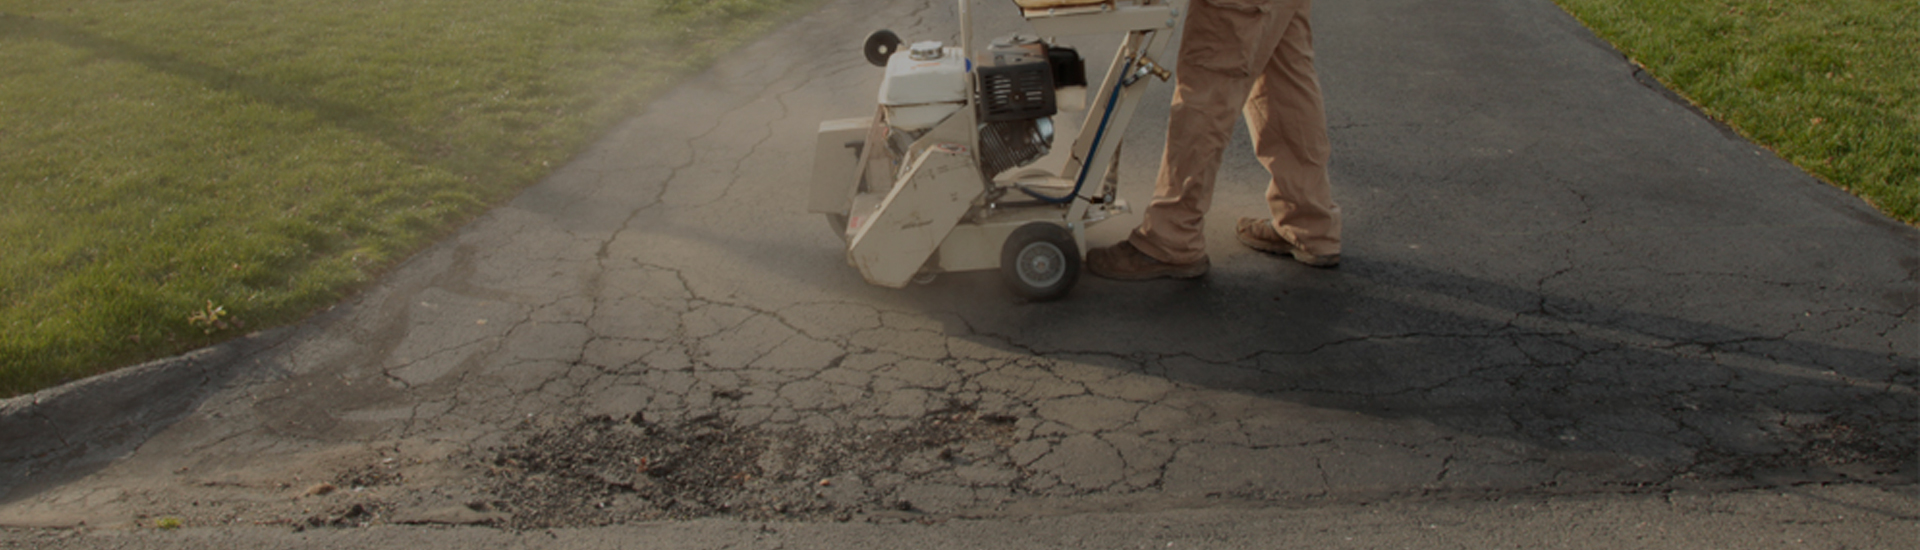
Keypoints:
(838, 223)
(1040, 261)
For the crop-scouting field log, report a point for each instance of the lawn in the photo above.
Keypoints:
(178, 173)
(1831, 85)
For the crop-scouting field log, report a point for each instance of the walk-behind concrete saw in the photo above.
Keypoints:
(940, 177)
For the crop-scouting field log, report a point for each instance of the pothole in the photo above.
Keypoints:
(603, 470)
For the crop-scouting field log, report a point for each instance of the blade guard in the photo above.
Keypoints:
(895, 241)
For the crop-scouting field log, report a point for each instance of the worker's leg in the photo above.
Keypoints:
(1288, 121)
(1220, 48)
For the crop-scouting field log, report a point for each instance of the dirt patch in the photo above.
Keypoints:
(1833, 448)
(358, 514)
(1841, 441)
(384, 473)
(603, 470)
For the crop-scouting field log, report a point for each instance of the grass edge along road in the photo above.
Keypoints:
(179, 173)
(1831, 86)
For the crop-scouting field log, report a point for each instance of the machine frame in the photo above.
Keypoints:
(907, 215)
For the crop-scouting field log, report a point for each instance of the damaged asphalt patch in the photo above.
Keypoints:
(601, 470)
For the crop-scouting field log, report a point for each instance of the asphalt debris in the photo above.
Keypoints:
(602, 470)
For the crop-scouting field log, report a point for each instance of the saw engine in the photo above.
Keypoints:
(1020, 81)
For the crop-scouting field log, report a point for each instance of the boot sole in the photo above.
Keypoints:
(1288, 250)
(1180, 272)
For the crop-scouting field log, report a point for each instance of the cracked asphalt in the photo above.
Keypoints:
(1559, 283)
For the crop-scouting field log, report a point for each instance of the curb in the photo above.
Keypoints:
(99, 418)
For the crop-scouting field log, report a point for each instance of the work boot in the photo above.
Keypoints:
(1259, 234)
(1124, 262)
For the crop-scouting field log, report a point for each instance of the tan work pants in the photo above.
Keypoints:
(1254, 56)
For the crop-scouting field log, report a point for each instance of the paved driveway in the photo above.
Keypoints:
(1558, 280)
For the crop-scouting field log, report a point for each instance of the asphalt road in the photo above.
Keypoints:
(1572, 312)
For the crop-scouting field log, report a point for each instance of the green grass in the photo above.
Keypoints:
(177, 173)
(1831, 85)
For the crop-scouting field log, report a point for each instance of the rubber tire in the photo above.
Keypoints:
(1040, 242)
(925, 277)
(838, 223)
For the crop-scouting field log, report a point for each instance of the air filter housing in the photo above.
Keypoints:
(1016, 82)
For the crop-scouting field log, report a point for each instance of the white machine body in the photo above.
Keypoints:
(924, 86)
(937, 179)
